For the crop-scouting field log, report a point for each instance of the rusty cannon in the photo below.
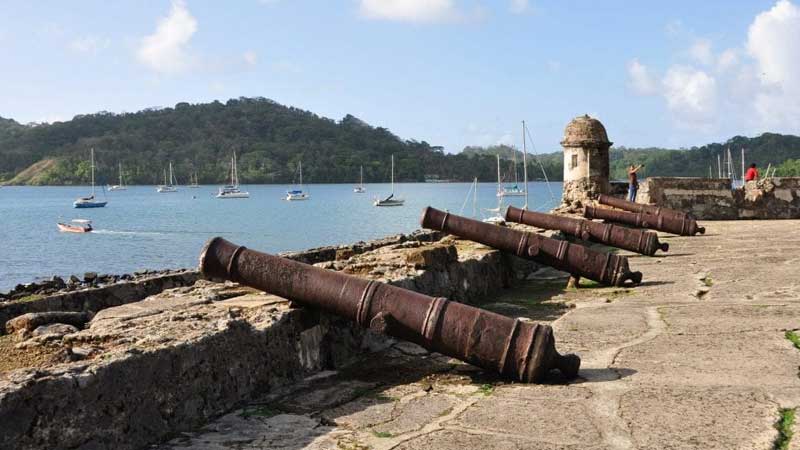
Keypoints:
(520, 350)
(625, 205)
(635, 240)
(669, 220)
(577, 260)
(684, 226)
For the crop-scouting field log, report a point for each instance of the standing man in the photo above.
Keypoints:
(633, 181)
(752, 173)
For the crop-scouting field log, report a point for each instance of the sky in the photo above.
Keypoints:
(448, 72)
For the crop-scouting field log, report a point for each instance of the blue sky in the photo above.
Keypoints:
(450, 72)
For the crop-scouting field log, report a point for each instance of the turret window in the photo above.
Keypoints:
(574, 162)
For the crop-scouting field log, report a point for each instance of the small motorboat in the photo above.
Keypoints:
(76, 226)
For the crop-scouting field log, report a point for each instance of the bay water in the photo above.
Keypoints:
(142, 229)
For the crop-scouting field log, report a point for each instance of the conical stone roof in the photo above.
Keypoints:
(585, 131)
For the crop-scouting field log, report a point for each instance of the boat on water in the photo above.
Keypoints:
(360, 189)
(298, 194)
(90, 201)
(514, 190)
(390, 200)
(169, 184)
(75, 226)
(496, 214)
(121, 186)
(232, 190)
(193, 181)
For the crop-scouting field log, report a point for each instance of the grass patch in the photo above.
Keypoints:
(259, 411)
(784, 427)
(382, 434)
(794, 338)
(30, 298)
(708, 281)
(486, 389)
(380, 396)
(586, 283)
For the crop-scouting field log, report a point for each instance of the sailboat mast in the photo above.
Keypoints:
(498, 173)
(392, 174)
(301, 174)
(120, 173)
(362, 176)
(92, 152)
(524, 166)
(475, 197)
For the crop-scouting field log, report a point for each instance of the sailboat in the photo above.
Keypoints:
(513, 191)
(497, 218)
(298, 194)
(193, 181)
(89, 202)
(390, 200)
(121, 186)
(232, 190)
(168, 186)
(360, 189)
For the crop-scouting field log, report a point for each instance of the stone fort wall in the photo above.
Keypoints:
(715, 199)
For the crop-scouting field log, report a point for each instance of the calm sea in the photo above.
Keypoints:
(142, 229)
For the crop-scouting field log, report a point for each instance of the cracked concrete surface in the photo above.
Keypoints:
(663, 368)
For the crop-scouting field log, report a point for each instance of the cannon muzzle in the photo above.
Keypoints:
(520, 350)
(639, 241)
(683, 225)
(605, 268)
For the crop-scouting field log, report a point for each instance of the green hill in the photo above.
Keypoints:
(270, 139)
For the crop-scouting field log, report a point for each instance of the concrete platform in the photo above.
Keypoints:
(695, 358)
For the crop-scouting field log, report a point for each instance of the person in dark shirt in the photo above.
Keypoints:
(633, 181)
(752, 173)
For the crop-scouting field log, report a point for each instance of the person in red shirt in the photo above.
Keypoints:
(752, 173)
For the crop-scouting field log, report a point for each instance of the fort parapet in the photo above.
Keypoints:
(715, 199)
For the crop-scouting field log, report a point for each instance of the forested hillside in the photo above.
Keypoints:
(271, 139)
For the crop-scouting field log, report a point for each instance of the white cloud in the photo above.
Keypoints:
(728, 59)
(420, 11)
(640, 78)
(773, 40)
(520, 6)
(700, 51)
(165, 51)
(691, 96)
(250, 58)
(89, 44)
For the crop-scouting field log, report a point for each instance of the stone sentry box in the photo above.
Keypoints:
(586, 161)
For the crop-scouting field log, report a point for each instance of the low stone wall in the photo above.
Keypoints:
(144, 371)
(95, 299)
(714, 198)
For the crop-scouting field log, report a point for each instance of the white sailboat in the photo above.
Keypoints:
(298, 194)
(390, 200)
(193, 181)
(89, 202)
(514, 190)
(497, 217)
(169, 184)
(121, 186)
(232, 190)
(360, 189)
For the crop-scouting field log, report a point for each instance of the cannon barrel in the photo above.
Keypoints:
(605, 268)
(520, 350)
(639, 241)
(684, 226)
(625, 205)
